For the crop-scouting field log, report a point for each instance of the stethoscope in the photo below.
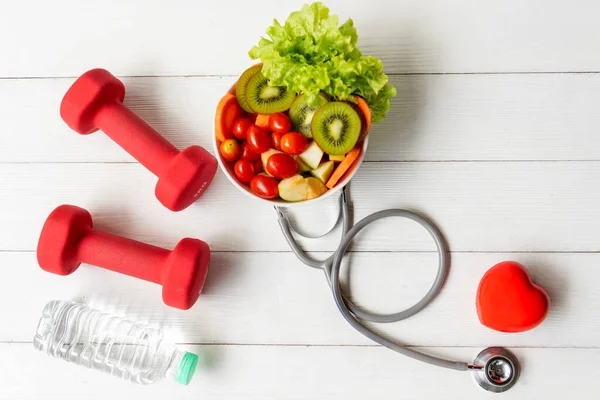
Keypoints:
(495, 368)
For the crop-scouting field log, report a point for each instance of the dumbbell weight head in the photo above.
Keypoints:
(186, 178)
(57, 247)
(90, 91)
(185, 273)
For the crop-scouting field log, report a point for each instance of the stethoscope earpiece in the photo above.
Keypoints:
(495, 369)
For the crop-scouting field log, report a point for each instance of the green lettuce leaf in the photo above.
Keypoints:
(312, 53)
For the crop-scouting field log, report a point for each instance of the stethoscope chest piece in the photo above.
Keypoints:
(496, 369)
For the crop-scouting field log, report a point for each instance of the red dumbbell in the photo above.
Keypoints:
(67, 240)
(95, 101)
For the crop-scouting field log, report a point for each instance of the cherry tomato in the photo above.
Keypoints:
(264, 186)
(258, 167)
(244, 170)
(279, 123)
(248, 154)
(230, 150)
(282, 166)
(258, 139)
(276, 140)
(240, 127)
(294, 143)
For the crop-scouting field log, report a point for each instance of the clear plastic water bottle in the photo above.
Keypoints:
(121, 347)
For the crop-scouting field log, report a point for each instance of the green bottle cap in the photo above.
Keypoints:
(187, 368)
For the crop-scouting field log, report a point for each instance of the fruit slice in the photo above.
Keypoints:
(336, 127)
(264, 157)
(341, 169)
(337, 158)
(365, 113)
(302, 167)
(242, 84)
(228, 110)
(294, 188)
(315, 188)
(265, 99)
(262, 120)
(324, 171)
(312, 155)
(302, 114)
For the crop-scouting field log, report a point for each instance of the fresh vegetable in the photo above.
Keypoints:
(302, 114)
(336, 127)
(276, 139)
(248, 154)
(265, 98)
(258, 167)
(230, 150)
(258, 139)
(264, 157)
(294, 143)
(264, 186)
(228, 110)
(294, 188)
(365, 114)
(343, 167)
(244, 170)
(240, 127)
(312, 155)
(281, 166)
(311, 54)
(315, 188)
(240, 90)
(262, 120)
(279, 123)
(324, 171)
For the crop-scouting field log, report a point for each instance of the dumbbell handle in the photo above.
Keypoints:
(135, 136)
(122, 255)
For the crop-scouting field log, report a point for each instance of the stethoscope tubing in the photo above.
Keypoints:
(350, 311)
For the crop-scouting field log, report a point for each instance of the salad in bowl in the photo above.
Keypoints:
(294, 127)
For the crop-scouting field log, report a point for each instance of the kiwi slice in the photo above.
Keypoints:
(302, 114)
(336, 127)
(240, 90)
(265, 99)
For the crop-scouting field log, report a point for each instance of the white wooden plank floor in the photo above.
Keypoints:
(494, 134)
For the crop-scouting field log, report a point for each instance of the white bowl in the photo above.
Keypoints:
(228, 171)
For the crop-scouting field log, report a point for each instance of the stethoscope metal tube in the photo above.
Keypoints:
(496, 369)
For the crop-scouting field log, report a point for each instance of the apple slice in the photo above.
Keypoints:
(312, 155)
(294, 188)
(337, 158)
(302, 167)
(264, 157)
(324, 171)
(315, 188)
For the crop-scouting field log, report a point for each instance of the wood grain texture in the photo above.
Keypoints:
(530, 206)
(269, 372)
(203, 37)
(271, 298)
(433, 118)
(493, 135)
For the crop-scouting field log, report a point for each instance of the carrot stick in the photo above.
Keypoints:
(262, 120)
(341, 169)
(228, 110)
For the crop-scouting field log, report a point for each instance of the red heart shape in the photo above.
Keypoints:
(508, 301)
